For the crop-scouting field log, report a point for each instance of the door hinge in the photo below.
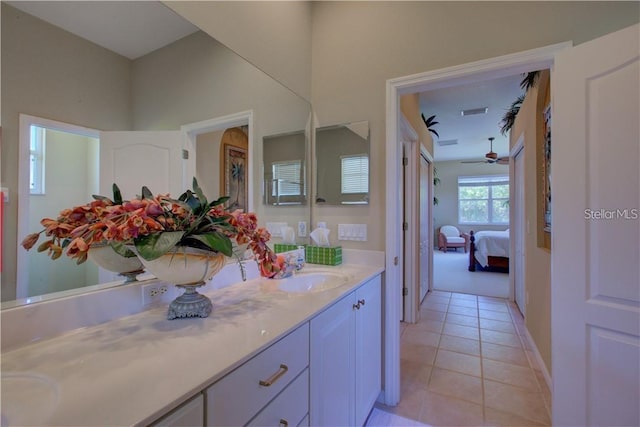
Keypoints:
(405, 161)
(405, 226)
(185, 154)
(395, 260)
(405, 292)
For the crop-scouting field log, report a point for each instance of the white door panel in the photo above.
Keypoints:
(595, 272)
(134, 159)
(425, 200)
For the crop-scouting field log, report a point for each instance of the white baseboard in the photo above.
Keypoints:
(540, 362)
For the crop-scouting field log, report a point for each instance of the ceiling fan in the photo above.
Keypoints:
(491, 157)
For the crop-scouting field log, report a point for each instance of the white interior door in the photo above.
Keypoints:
(518, 231)
(595, 273)
(425, 226)
(134, 159)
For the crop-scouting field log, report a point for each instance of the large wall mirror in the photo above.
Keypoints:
(342, 164)
(53, 74)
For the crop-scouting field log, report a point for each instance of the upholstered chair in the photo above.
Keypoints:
(450, 237)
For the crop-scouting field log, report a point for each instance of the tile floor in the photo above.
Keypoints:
(467, 362)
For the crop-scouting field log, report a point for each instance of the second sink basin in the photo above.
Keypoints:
(312, 282)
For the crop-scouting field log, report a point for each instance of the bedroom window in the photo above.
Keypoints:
(288, 186)
(483, 199)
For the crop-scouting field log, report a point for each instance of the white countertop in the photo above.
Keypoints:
(132, 370)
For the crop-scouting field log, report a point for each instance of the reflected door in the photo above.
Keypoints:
(134, 159)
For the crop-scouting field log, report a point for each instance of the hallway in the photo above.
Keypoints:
(467, 362)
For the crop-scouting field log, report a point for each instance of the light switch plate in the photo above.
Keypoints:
(302, 229)
(275, 228)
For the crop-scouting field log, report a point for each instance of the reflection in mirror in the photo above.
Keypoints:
(342, 164)
(285, 169)
(49, 72)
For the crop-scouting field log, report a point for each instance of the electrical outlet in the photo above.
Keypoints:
(153, 292)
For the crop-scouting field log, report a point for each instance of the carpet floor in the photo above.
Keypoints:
(451, 274)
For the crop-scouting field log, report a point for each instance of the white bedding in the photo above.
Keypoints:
(491, 243)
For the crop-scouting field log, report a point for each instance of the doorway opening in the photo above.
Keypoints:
(58, 168)
(477, 71)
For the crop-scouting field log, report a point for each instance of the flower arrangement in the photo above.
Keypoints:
(155, 225)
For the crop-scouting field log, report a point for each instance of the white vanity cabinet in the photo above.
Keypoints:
(273, 385)
(346, 358)
(190, 413)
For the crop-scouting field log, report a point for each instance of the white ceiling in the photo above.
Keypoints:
(130, 28)
(472, 132)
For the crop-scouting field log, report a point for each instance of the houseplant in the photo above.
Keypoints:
(170, 236)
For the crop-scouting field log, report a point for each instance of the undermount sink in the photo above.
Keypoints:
(312, 282)
(27, 398)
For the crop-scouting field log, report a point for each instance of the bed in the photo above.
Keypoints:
(489, 251)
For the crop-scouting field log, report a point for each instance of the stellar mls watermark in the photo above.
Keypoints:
(612, 214)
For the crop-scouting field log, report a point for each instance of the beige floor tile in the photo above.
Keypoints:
(430, 325)
(494, 315)
(493, 417)
(502, 338)
(493, 306)
(514, 400)
(467, 311)
(434, 306)
(417, 335)
(461, 345)
(440, 410)
(505, 354)
(482, 298)
(464, 302)
(460, 331)
(497, 325)
(455, 295)
(410, 405)
(454, 384)
(460, 319)
(459, 362)
(420, 353)
(437, 298)
(441, 293)
(414, 374)
(426, 314)
(519, 376)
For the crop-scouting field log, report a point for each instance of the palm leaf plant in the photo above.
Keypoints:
(430, 122)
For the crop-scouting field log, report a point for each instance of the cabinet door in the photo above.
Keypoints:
(332, 359)
(368, 354)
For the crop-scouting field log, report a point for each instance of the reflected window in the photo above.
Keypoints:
(355, 174)
(36, 160)
(287, 178)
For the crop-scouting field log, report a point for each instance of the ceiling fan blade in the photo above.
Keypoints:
(475, 161)
(503, 161)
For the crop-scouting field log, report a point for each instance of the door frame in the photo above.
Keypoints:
(514, 196)
(191, 132)
(411, 151)
(501, 66)
(24, 137)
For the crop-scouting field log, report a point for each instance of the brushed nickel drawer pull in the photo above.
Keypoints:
(283, 423)
(275, 377)
(360, 302)
(356, 306)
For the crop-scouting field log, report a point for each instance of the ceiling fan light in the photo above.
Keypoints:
(474, 111)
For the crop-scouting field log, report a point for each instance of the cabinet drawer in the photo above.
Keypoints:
(289, 408)
(239, 396)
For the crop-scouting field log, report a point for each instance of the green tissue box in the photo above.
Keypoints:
(284, 247)
(323, 255)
